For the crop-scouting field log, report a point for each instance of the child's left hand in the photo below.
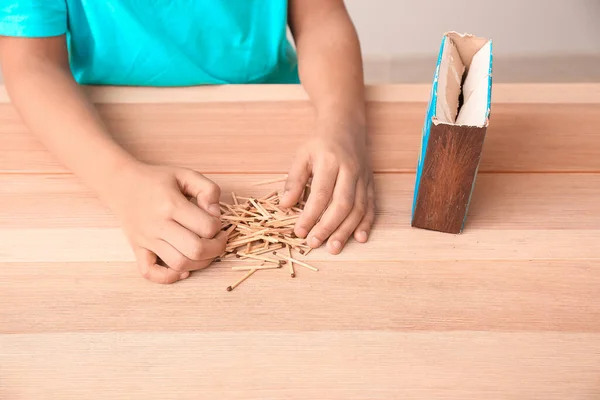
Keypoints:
(342, 192)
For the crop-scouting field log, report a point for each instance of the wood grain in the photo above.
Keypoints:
(507, 310)
(521, 137)
(495, 232)
(449, 171)
(407, 296)
(302, 365)
(109, 245)
(536, 93)
(500, 201)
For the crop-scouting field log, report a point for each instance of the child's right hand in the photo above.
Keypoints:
(160, 221)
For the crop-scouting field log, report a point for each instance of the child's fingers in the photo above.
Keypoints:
(361, 234)
(174, 259)
(149, 269)
(320, 194)
(196, 219)
(342, 204)
(296, 181)
(191, 245)
(206, 192)
(344, 231)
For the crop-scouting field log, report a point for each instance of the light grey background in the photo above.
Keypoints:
(534, 40)
(519, 27)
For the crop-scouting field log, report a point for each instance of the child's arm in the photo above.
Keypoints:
(330, 65)
(56, 111)
(157, 217)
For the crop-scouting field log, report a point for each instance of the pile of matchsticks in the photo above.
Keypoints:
(261, 234)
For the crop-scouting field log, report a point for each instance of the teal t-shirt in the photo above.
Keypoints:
(163, 42)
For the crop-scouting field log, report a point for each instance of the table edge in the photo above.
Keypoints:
(545, 93)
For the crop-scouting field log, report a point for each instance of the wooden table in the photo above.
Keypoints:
(510, 309)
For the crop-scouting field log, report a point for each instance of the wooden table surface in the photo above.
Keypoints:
(510, 309)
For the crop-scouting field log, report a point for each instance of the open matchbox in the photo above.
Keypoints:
(453, 133)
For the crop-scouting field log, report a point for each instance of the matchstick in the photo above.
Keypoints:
(241, 219)
(255, 257)
(292, 271)
(250, 268)
(244, 198)
(290, 259)
(229, 209)
(293, 243)
(270, 239)
(283, 222)
(268, 249)
(230, 229)
(256, 226)
(248, 275)
(269, 181)
(253, 236)
(260, 208)
(267, 197)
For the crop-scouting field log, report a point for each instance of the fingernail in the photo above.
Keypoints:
(336, 245)
(315, 242)
(184, 275)
(215, 210)
(361, 236)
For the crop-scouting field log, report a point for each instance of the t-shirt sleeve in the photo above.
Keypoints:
(33, 18)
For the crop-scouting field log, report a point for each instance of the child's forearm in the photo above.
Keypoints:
(57, 112)
(330, 61)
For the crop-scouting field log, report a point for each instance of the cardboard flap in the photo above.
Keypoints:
(464, 81)
(450, 78)
(468, 45)
(475, 90)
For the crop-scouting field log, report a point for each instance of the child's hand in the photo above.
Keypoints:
(159, 220)
(342, 192)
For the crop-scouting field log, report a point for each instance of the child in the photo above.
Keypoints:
(49, 47)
